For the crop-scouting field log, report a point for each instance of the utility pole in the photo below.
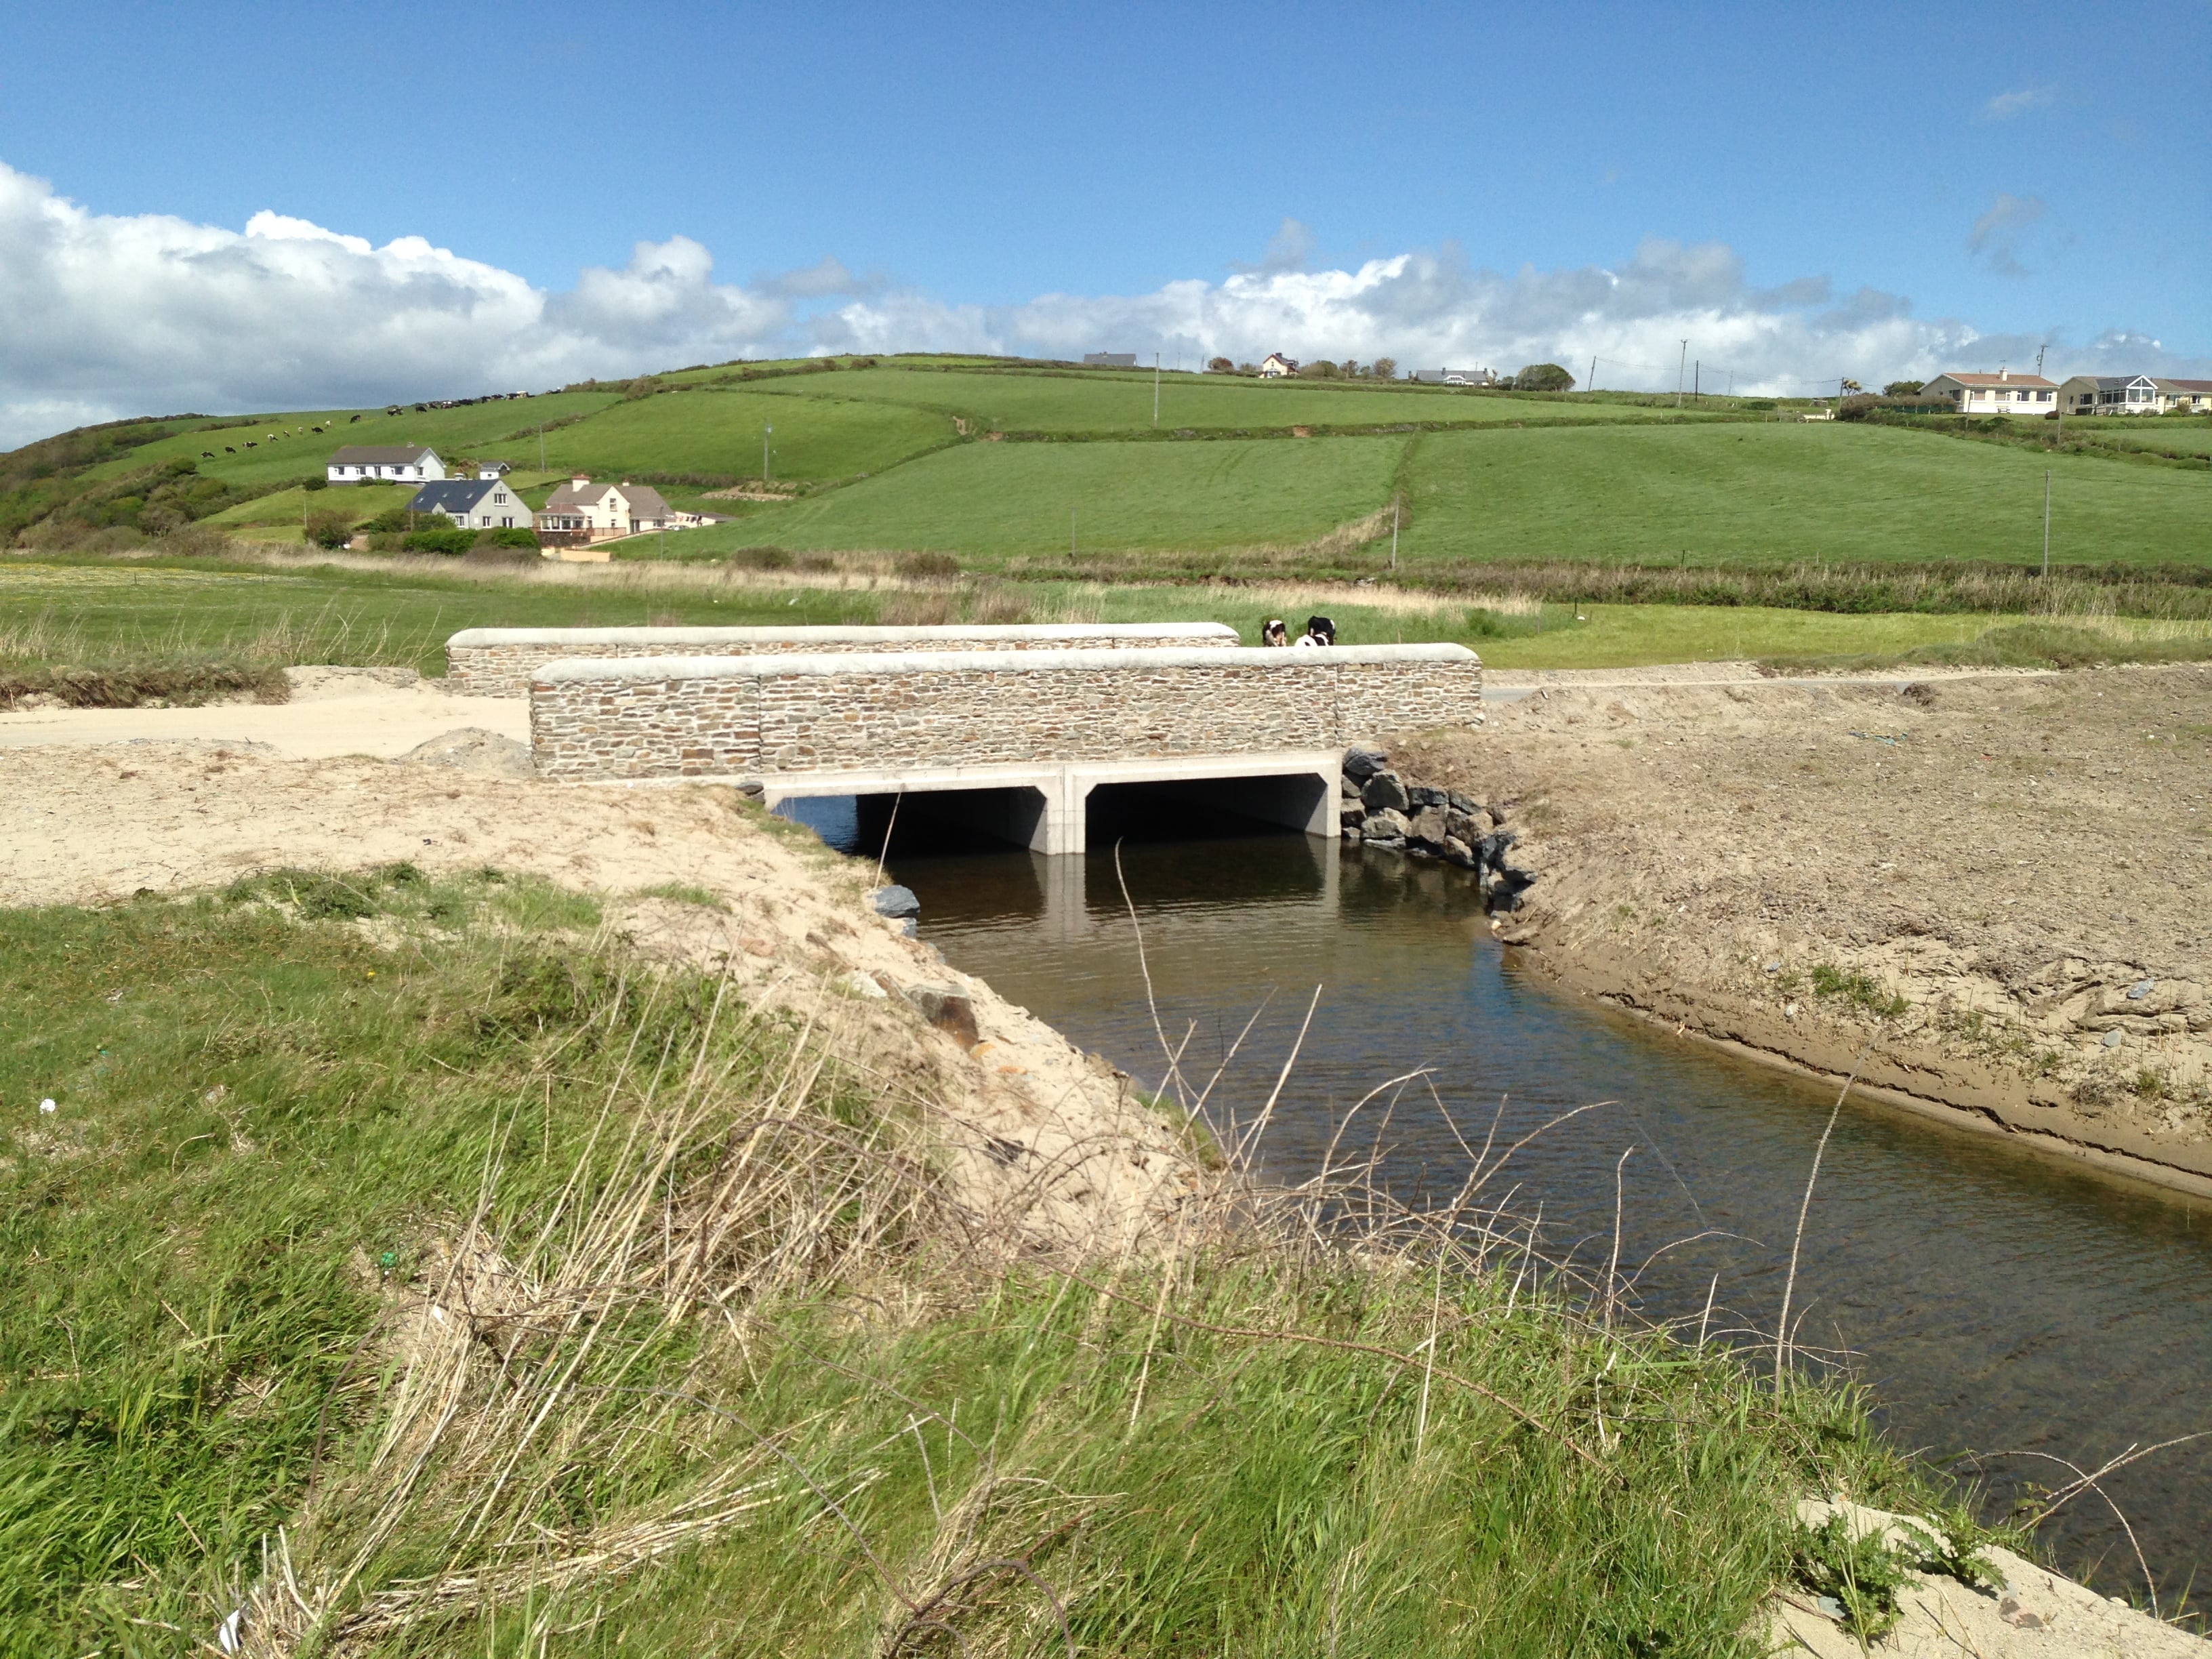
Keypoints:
(1677, 374)
(1394, 533)
(2046, 524)
(766, 431)
(1071, 532)
(1591, 384)
(1697, 379)
(1156, 389)
(2039, 350)
(540, 446)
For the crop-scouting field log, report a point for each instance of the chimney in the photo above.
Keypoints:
(2003, 373)
(580, 479)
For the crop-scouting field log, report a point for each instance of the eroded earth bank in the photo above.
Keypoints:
(1991, 897)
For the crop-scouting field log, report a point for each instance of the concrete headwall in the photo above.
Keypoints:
(498, 662)
(938, 710)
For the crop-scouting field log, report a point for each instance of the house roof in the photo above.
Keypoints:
(1995, 380)
(573, 495)
(645, 501)
(452, 494)
(382, 454)
(2195, 388)
(2101, 381)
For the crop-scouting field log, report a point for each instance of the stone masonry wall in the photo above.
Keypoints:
(753, 717)
(498, 662)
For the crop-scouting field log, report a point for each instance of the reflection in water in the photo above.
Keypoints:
(1993, 1301)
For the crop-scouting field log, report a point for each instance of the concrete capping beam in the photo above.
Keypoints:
(1187, 633)
(572, 670)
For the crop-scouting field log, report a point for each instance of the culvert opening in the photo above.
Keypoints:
(1207, 809)
(923, 822)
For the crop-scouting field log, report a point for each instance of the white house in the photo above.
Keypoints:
(603, 511)
(2001, 393)
(474, 504)
(1278, 366)
(494, 469)
(2110, 394)
(386, 464)
(2195, 395)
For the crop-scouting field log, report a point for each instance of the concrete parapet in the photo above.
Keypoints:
(499, 661)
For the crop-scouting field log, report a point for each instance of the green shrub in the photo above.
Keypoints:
(929, 566)
(330, 528)
(508, 535)
(393, 522)
(761, 558)
(452, 539)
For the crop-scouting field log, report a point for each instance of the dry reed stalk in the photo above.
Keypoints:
(1797, 1238)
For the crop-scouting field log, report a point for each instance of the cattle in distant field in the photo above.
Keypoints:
(253, 445)
(355, 418)
(228, 450)
(207, 454)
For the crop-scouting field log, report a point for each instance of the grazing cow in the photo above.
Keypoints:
(253, 445)
(207, 454)
(355, 418)
(228, 450)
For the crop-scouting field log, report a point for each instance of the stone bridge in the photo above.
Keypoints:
(1019, 744)
(498, 662)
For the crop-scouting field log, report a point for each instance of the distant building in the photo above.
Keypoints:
(1278, 366)
(494, 469)
(1109, 359)
(385, 464)
(601, 512)
(1456, 376)
(2109, 394)
(473, 503)
(2195, 395)
(2002, 393)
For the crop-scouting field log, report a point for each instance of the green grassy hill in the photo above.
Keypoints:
(895, 454)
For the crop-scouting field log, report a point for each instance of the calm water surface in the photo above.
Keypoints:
(1992, 1300)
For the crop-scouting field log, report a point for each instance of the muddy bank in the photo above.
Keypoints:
(1987, 895)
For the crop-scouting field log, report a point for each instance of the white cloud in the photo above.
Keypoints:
(104, 316)
(2006, 105)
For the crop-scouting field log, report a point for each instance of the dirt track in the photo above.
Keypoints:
(1998, 892)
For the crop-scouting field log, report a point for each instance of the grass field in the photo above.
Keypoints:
(988, 503)
(720, 432)
(1081, 400)
(1768, 492)
(505, 431)
(393, 1241)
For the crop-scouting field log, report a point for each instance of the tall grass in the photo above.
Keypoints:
(403, 1272)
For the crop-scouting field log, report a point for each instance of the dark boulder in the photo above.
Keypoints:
(1361, 762)
(1386, 792)
(896, 903)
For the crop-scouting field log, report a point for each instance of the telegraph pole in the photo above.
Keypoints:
(1590, 384)
(1156, 389)
(1394, 533)
(766, 430)
(1679, 367)
(1698, 380)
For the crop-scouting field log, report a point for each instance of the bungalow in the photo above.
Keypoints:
(385, 464)
(2193, 395)
(494, 469)
(1278, 367)
(2001, 393)
(473, 503)
(2110, 394)
(604, 511)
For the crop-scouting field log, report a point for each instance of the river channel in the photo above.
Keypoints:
(1992, 1300)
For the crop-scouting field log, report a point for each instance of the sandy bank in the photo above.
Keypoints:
(1040, 1135)
(1988, 894)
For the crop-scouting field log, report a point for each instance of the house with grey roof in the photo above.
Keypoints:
(473, 504)
(355, 463)
(2110, 394)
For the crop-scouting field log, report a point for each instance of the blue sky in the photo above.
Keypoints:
(1812, 189)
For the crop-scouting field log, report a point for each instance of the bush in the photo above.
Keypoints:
(761, 558)
(393, 522)
(508, 535)
(929, 566)
(448, 540)
(330, 528)
(1543, 377)
(315, 483)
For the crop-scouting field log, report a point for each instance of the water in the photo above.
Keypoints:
(1992, 1299)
